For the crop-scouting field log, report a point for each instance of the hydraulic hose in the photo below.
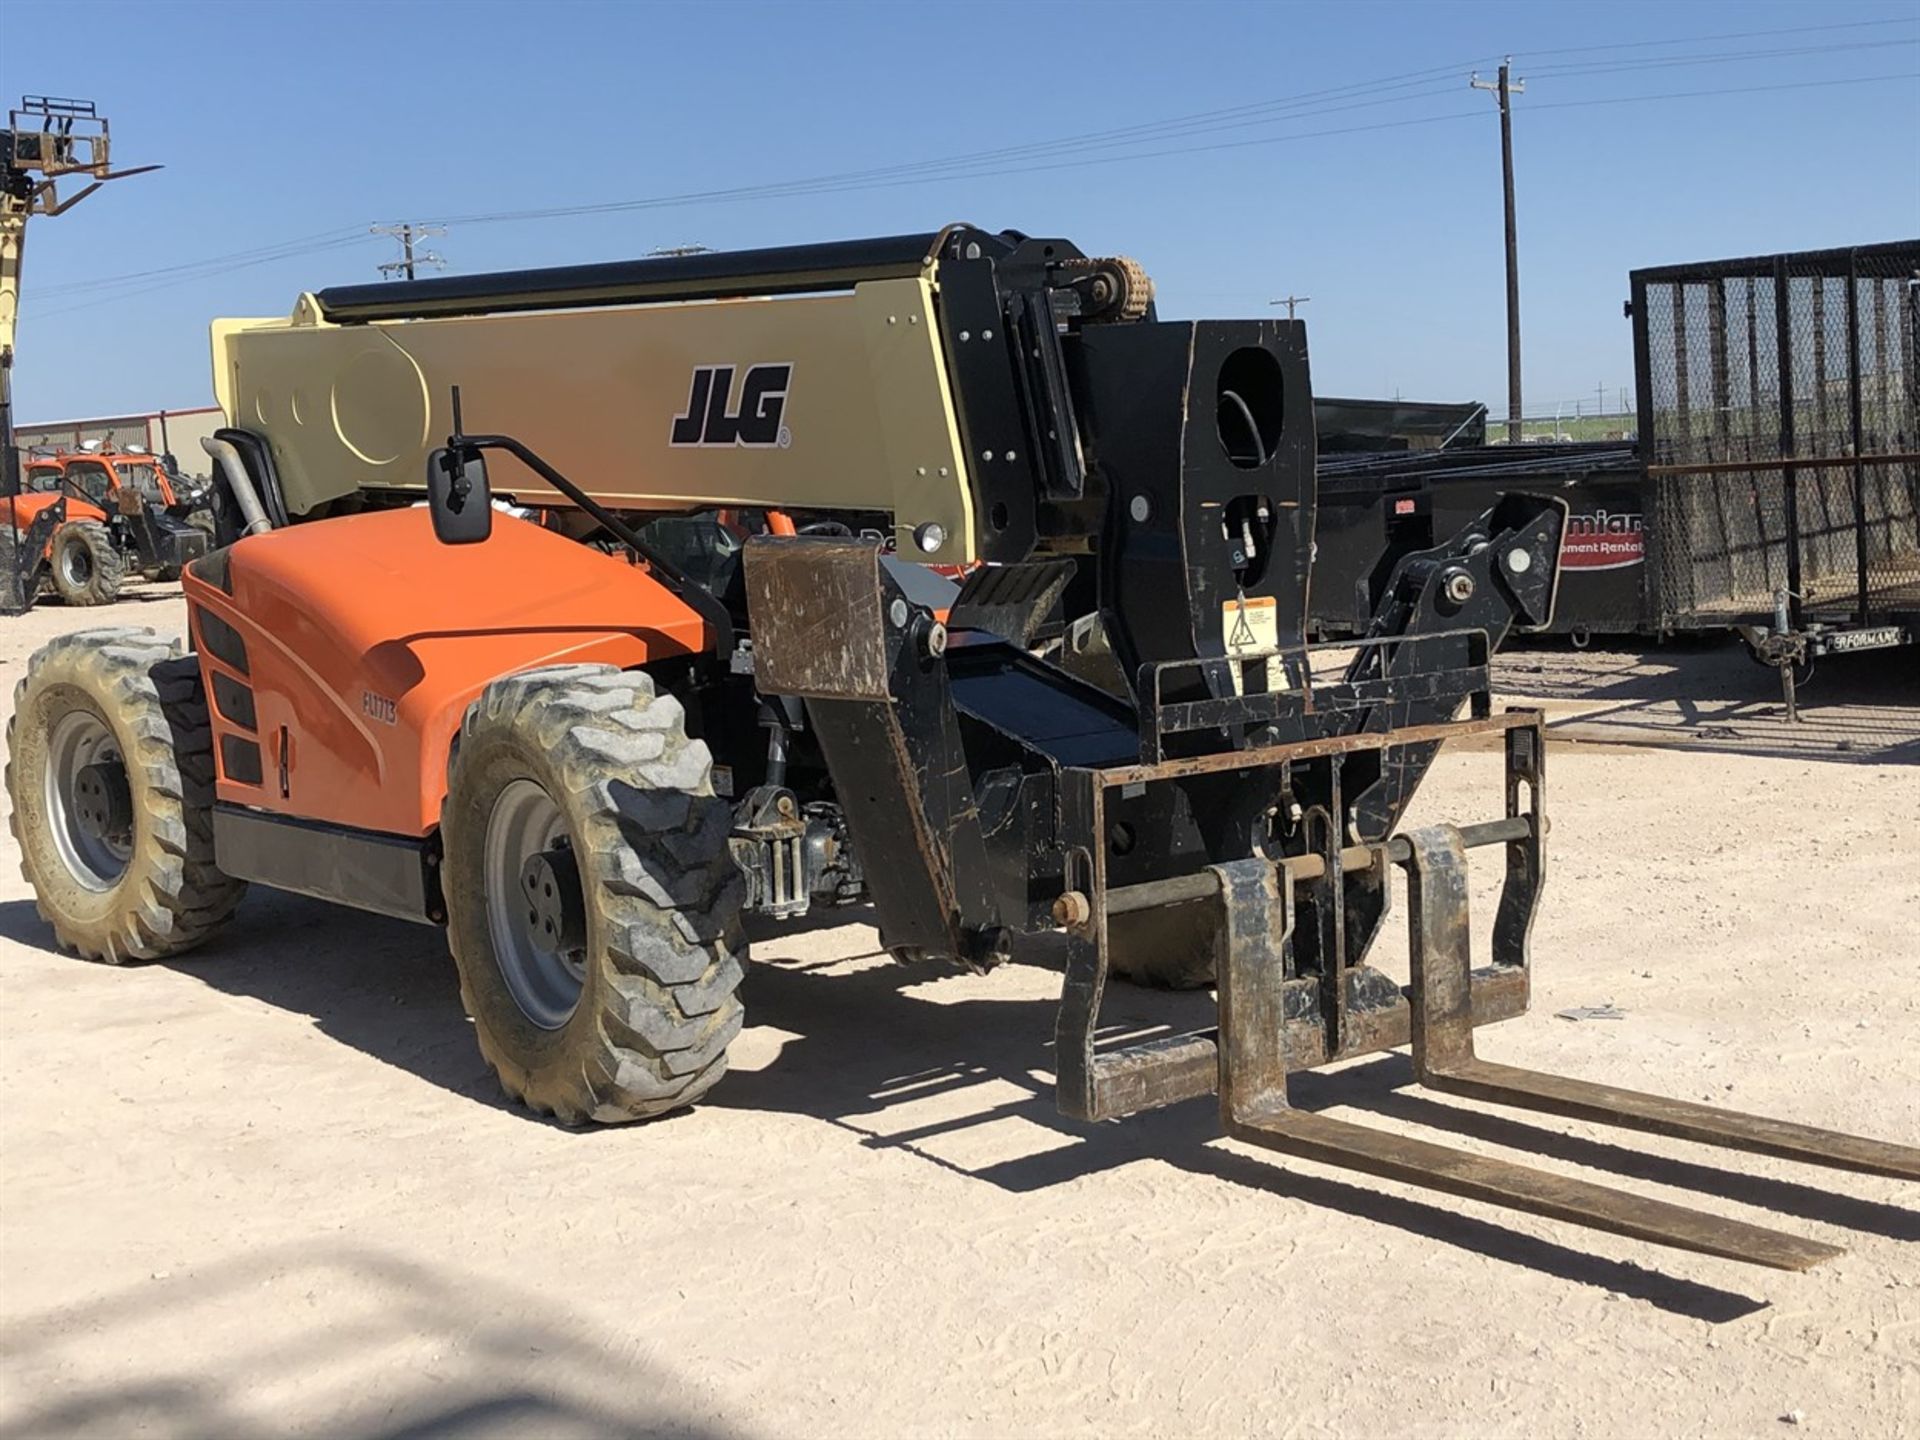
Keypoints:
(1253, 428)
(239, 482)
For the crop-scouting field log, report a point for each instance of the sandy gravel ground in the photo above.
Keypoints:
(271, 1190)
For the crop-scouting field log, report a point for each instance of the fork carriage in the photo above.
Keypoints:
(1294, 890)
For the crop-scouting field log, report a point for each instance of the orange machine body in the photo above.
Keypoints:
(339, 658)
(43, 486)
(19, 511)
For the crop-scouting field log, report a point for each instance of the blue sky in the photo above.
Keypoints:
(282, 121)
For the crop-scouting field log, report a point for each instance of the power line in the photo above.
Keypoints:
(406, 232)
(944, 170)
(1725, 35)
(306, 244)
(973, 167)
(960, 165)
(1418, 83)
(1664, 62)
(1737, 90)
(967, 165)
(1302, 135)
(168, 282)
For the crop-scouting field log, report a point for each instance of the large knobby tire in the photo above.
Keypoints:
(110, 771)
(87, 569)
(593, 906)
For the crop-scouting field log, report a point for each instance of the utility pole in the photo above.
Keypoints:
(1506, 88)
(1290, 301)
(406, 233)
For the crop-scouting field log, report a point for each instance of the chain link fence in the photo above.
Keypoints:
(1779, 399)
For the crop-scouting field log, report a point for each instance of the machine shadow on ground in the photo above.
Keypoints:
(381, 986)
(1710, 695)
(407, 1352)
(135, 593)
(862, 1038)
(862, 1050)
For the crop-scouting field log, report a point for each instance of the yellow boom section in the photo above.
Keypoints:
(865, 420)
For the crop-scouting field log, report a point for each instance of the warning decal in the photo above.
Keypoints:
(1250, 624)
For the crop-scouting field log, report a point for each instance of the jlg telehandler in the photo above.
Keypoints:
(721, 669)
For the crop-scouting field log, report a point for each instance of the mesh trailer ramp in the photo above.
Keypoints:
(1779, 398)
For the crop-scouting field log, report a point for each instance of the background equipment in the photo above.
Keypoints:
(47, 139)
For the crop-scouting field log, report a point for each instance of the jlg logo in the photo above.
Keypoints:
(755, 421)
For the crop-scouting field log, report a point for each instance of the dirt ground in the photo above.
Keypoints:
(271, 1189)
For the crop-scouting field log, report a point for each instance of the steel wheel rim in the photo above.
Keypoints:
(79, 739)
(76, 565)
(545, 980)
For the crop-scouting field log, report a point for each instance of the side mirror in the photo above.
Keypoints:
(458, 496)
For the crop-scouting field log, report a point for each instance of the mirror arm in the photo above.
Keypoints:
(703, 601)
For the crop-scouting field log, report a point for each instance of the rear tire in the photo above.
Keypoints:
(87, 569)
(583, 778)
(141, 885)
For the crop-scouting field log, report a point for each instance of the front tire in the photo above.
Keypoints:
(87, 569)
(110, 771)
(593, 905)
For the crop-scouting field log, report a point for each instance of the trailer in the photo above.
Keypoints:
(1779, 398)
(1375, 508)
(1773, 490)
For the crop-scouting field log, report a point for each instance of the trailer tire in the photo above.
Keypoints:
(140, 883)
(621, 1009)
(87, 568)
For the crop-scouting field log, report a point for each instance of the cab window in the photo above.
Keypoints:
(91, 478)
(141, 478)
(43, 479)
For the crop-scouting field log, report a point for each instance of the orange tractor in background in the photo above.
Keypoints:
(86, 519)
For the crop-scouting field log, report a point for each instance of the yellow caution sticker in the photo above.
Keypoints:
(1251, 624)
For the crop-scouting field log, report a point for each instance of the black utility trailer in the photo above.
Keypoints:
(1779, 399)
(1774, 489)
(1376, 508)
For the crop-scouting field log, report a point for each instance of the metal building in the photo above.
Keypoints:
(159, 431)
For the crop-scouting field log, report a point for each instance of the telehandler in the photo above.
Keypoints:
(715, 662)
(85, 518)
